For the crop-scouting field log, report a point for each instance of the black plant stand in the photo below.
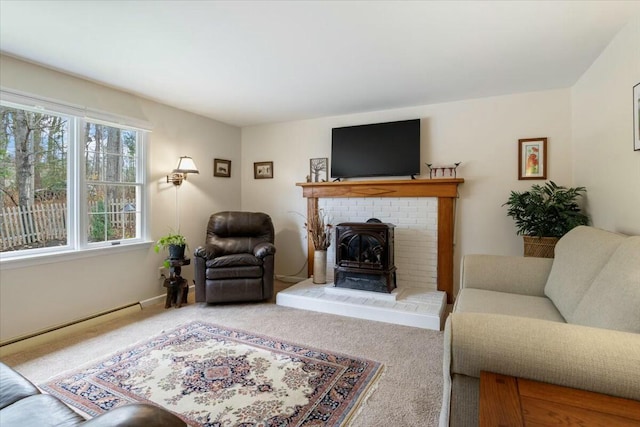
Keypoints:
(177, 286)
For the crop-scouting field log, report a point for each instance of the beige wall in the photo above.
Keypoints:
(595, 114)
(38, 297)
(482, 133)
(603, 134)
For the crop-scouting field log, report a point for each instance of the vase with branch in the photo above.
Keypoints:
(320, 233)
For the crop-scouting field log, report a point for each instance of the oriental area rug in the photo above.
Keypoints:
(211, 375)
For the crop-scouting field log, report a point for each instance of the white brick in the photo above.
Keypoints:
(415, 219)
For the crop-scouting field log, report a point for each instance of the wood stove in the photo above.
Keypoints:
(364, 256)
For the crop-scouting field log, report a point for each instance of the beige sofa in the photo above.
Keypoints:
(573, 321)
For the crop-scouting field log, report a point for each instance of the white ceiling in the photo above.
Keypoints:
(253, 62)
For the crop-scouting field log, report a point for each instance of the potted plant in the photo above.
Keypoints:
(545, 213)
(175, 243)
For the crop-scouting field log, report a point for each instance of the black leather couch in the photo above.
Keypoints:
(22, 405)
(236, 263)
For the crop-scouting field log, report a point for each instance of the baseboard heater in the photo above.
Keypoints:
(20, 343)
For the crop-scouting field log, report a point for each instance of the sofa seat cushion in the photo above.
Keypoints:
(579, 256)
(42, 410)
(613, 300)
(233, 260)
(482, 301)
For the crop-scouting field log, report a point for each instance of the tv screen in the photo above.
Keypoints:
(380, 149)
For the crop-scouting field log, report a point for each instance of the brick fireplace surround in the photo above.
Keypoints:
(423, 212)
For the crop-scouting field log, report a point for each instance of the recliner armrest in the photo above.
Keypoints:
(207, 251)
(264, 249)
(136, 415)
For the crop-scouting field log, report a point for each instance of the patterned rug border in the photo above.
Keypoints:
(354, 406)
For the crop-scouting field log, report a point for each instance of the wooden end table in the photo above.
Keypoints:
(177, 286)
(511, 401)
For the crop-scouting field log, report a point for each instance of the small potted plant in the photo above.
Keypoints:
(175, 243)
(545, 213)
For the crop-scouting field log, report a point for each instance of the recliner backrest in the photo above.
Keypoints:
(237, 232)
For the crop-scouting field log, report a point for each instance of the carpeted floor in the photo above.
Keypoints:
(408, 394)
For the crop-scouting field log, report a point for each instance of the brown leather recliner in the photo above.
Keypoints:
(236, 263)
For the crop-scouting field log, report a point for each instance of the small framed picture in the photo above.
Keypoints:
(263, 170)
(222, 168)
(318, 169)
(532, 158)
(636, 117)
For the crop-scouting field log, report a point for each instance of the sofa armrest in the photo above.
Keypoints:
(264, 249)
(599, 360)
(136, 415)
(517, 275)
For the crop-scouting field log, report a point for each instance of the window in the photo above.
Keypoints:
(67, 182)
(113, 184)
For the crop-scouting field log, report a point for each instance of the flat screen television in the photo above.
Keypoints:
(379, 149)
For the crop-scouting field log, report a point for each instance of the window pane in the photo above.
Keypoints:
(33, 179)
(110, 153)
(111, 172)
(112, 212)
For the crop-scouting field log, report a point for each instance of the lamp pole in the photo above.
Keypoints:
(177, 210)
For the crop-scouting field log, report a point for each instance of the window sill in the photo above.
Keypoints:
(71, 255)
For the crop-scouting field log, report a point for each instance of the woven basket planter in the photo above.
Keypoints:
(542, 247)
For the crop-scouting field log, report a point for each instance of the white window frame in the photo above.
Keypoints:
(78, 245)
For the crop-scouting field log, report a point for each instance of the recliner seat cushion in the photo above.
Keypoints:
(234, 273)
(234, 260)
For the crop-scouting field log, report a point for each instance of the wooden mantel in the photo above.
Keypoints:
(446, 190)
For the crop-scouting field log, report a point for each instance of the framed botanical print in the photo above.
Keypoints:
(532, 158)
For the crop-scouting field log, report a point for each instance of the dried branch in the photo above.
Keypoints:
(319, 230)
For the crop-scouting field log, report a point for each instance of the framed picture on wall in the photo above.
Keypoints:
(263, 170)
(222, 168)
(319, 169)
(636, 117)
(532, 158)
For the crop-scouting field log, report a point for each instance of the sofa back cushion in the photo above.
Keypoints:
(579, 256)
(613, 300)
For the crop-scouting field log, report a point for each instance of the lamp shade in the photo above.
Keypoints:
(186, 165)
